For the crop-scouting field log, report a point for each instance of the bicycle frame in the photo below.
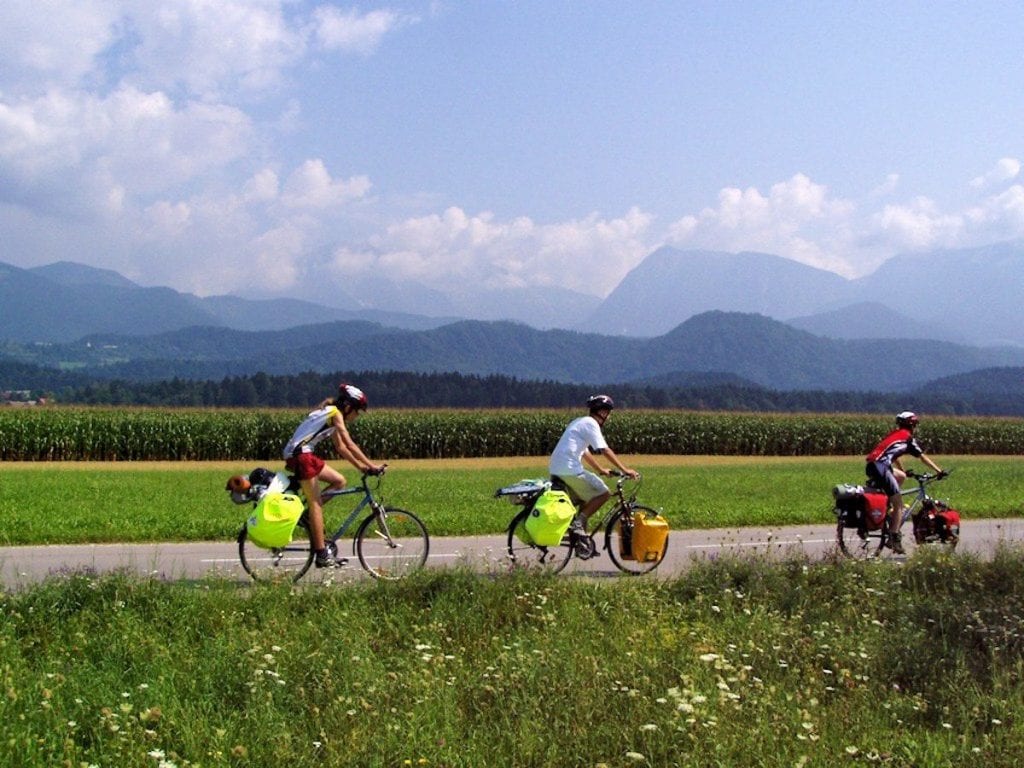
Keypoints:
(367, 501)
(616, 523)
(857, 542)
(389, 542)
(621, 502)
(920, 495)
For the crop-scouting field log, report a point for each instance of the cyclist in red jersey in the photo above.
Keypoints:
(885, 471)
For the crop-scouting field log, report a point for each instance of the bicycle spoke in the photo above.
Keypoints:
(279, 564)
(526, 556)
(391, 544)
(618, 540)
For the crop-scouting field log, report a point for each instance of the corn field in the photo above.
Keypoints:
(96, 434)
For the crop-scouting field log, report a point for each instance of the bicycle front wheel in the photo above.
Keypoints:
(858, 545)
(287, 563)
(392, 543)
(533, 557)
(618, 540)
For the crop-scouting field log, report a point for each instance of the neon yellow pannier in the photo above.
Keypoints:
(550, 518)
(272, 522)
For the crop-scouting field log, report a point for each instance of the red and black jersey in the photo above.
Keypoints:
(894, 445)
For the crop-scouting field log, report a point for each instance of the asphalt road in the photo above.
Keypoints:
(21, 566)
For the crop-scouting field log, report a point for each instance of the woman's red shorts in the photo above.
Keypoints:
(306, 466)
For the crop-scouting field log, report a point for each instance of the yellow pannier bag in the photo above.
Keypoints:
(550, 518)
(650, 537)
(272, 522)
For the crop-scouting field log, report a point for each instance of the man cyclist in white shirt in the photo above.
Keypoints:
(579, 444)
(329, 419)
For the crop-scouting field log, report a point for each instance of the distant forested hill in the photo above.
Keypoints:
(752, 348)
(998, 392)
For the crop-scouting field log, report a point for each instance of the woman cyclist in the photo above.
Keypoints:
(329, 419)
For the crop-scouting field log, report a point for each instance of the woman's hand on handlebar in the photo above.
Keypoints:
(376, 469)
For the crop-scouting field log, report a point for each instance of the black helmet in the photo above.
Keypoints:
(600, 403)
(261, 476)
(353, 396)
(907, 419)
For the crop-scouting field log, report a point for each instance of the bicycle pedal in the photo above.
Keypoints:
(585, 549)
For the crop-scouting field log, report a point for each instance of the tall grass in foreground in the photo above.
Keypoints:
(736, 663)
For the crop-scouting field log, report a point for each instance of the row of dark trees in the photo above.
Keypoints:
(453, 390)
(996, 392)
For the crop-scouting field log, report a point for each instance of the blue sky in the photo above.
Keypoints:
(218, 145)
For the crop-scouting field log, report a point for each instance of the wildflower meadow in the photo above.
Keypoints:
(737, 662)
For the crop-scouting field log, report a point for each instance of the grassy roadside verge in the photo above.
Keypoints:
(69, 502)
(735, 663)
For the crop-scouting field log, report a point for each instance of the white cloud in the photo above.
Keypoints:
(262, 187)
(1007, 169)
(887, 187)
(142, 125)
(67, 151)
(918, 224)
(52, 42)
(798, 219)
(350, 31)
(801, 220)
(454, 249)
(168, 219)
(274, 258)
(311, 186)
(212, 47)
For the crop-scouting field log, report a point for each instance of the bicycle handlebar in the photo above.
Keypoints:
(623, 475)
(924, 477)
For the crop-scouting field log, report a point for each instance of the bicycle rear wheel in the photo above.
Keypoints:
(287, 563)
(392, 544)
(620, 549)
(533, 557)
(856, 544)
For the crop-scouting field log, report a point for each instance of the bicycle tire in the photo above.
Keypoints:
(614, 544)
(392, 546)
(946, 544)
(857, 546)
(533, 557)
(288, 563)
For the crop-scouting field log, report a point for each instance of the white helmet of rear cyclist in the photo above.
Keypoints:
(600, 403)
(907, 419)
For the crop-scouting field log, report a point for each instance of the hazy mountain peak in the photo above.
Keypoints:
(72, 273)
(671, 285)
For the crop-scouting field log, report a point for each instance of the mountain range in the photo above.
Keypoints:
(967, 296)
(760, 318)
(750, 348)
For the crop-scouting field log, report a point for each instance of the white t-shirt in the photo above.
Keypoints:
(317, 426)
(582, 434)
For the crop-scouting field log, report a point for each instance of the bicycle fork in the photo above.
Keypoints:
(381, 529)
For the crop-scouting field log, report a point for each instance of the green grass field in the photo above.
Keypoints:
(181, 501)
(735, 663)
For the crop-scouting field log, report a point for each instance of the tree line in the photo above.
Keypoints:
(398, 389)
